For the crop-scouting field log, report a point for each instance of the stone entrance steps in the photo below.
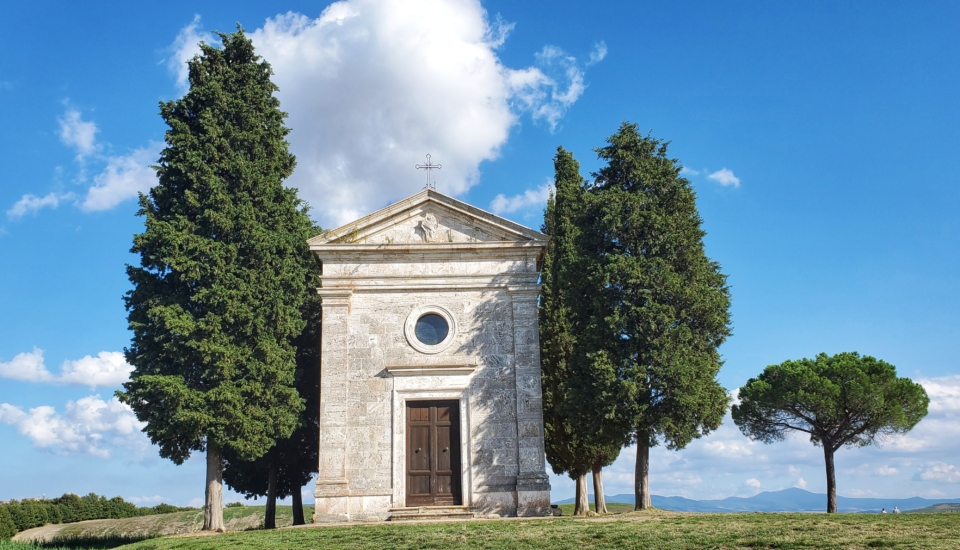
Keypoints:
(420, 513)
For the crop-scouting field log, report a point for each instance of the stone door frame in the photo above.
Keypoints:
(399, 421)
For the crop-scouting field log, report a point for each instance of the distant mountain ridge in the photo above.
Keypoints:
(787, 500)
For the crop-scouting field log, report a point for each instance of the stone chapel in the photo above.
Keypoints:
(430, 364)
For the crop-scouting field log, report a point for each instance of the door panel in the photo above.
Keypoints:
(433, 453)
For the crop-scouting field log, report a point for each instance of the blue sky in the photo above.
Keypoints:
(822, 141)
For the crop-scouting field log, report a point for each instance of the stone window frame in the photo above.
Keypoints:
(410, 328)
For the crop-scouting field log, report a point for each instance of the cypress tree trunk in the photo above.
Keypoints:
(599, 501)
(831, 480)
(213, 509)
(298, 507)
(641, 480)
(582, 506)
(270, 516)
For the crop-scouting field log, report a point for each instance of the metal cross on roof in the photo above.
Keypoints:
(428, 167)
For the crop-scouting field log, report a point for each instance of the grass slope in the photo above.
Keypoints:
(648, 530)
(937, 508)
(112, 532)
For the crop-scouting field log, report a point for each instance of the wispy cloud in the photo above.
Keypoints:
(88, 425)
(917, 463)
(502, 204)
(78, 133)
(31, 204)
(184, 47)
(108, 368)
(123, 178)
(725, 178)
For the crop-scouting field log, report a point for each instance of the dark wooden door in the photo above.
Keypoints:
(433, 453)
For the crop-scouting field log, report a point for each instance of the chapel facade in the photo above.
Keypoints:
(430, 364)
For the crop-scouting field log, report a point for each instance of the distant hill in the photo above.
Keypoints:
(787, 500)
(937, 508)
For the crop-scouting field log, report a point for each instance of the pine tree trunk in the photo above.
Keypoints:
(831, 480)
(599, 501)
(298, 507)
(582, 506)
(270, 516)
(641, 479)
(213, 509)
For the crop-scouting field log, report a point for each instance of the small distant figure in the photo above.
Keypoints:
(883, 510)
(896, 510)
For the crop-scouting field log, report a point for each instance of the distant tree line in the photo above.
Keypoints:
(16, 516)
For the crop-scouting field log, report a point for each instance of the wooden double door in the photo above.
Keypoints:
(433, 453)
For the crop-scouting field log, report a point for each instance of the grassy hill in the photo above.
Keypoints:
(938, 508)
(653, 530)
(113, 531)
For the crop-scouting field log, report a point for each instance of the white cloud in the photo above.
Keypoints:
(373, 86)
(89, 425)
(184, 47)
(725, 178)
(752, 482)
(529, 198)
(79, 134)
(598, 53)
(944, 393)
(123, 178)
(913, 464)
(27, 367)
(940, 472)
(30, 204)
(107, 369)
(196, 503)
(689, 172)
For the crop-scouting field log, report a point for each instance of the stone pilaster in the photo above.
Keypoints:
(332, 489)
(533, 485)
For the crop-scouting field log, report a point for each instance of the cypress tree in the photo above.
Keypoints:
(216, 300)
(563, 443)
(587, 404)
(290, 464)
(662, 306)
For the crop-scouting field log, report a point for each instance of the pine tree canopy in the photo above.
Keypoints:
(216, 300)
(839, 400)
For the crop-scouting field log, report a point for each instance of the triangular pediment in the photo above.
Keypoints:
(428, 217)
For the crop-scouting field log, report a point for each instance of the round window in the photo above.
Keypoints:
(431, 329)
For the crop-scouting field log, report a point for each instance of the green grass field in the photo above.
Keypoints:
(647, 530)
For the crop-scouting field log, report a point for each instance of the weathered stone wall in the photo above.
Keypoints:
(370, 369)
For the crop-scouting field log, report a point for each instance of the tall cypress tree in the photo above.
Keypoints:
(663, 305)
(587, 404)
(290, 464)
(564, 445)
(216, 300)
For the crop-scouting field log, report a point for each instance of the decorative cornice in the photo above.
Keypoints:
(450, 368)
